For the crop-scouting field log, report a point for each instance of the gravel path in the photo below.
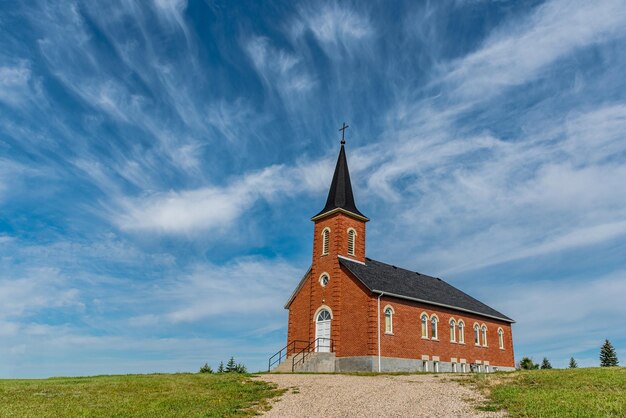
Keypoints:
(331, 395)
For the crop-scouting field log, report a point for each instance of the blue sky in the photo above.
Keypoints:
(160, 162)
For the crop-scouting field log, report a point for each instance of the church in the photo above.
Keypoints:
(351, 313)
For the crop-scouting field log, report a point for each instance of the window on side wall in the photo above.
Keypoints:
(484, 335)
(433, 328)
(388, 320)
(476, 334)
(452, 330)
(424, 326)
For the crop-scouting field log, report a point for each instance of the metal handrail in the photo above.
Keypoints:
(307, 350)
(283, 353)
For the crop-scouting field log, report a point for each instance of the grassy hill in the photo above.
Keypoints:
(594, 392)
(154, 395)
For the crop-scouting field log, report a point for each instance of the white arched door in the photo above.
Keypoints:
(322, 331)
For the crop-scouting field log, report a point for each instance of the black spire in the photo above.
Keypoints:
(340, 194)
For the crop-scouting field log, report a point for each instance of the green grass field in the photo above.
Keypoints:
(594, 392)
(154, 395)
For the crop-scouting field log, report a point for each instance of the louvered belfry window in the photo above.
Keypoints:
(351, 234)
(325, 239)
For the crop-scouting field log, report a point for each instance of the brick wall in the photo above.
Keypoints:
(407, 341)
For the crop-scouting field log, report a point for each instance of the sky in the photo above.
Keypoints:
(160, 162)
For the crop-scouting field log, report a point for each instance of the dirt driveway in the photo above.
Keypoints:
(328, 395)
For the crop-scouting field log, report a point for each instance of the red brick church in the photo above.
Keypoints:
(352, 313)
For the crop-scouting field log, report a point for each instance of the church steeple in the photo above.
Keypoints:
(340, 197)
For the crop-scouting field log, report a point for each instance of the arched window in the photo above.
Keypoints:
(461, 332)
(452, 330)
(388, 320)
(351, 237)
(433, 328)
(324, 279)
(324, 315)
(476, 334)
(484, 330)
(325, 240)
(501, 338)
(424, 325)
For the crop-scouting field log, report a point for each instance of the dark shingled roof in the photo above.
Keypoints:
(340, 194)
(381, 277)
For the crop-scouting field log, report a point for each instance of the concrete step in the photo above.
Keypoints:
(314, 362)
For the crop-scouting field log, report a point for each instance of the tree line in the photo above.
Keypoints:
(231, 367)
(608, 358)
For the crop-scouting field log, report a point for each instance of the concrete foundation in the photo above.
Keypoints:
(328, 363)
(394, 364)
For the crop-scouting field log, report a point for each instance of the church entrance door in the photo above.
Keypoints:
(322, 332)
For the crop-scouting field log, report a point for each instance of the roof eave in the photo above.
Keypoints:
(342, 210)
(443, 305)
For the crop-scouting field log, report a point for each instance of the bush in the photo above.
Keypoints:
(527, 364)
(206, 369)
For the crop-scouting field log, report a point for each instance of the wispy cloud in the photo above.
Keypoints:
(13, 83)
(279, 69)
(41, 288)
(517, 52)
(201, 209)
(336, 26)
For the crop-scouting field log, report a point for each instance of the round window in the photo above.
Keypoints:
(324, 280)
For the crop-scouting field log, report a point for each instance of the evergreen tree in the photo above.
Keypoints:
(220, 369)
(545, 364)
(608, 356)
(206, 368)
(231, 366)
(572, 363)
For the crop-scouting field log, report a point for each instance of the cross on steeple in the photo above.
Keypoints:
(343, 131)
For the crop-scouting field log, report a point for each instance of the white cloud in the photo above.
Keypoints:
(16, 84)
(202, 209)
(334, 25)
(518, 51)
(41, 288)
(217, 291)
(279, 69)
